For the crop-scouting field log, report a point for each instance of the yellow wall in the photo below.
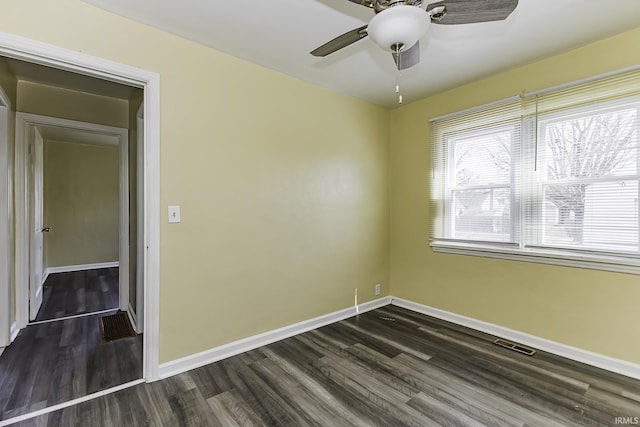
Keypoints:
(8, 82)
(53, 101)
(81, 203)
(283, 185)
(588, 309)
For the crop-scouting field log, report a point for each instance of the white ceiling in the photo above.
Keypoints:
(279, 34)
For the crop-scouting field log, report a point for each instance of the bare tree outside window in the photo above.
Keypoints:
(482, 191)
(584, 149)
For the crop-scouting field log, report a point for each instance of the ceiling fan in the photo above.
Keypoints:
(398, 24)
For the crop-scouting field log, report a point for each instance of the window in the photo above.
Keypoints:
(481, 186)
(587, 180)
(549, 177)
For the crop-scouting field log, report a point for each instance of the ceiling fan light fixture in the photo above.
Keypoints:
(399, 27)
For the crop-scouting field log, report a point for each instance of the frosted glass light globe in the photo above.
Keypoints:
(399, 25)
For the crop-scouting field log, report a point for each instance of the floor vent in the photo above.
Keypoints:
(515, 347)
(115, 327)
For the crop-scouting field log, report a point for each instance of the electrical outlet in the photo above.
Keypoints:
(378, 289)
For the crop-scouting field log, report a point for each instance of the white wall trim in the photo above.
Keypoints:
(14, 331)
(593, 261)
(79, 267)
(140, 215)
(599, 361)
(72, 402)
(236, 347)
(133, 318)
(78, 62)
(5, 221)
(123, 248)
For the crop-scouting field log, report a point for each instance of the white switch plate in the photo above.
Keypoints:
(174, 214)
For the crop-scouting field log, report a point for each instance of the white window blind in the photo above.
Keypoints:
(476, 183)
(556, 172)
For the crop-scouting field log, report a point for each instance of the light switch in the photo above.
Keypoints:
(174, 214)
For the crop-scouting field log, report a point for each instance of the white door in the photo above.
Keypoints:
(37, 239)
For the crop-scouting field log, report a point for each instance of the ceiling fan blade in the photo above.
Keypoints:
(341, 41)
(471, 11)
(408, 58)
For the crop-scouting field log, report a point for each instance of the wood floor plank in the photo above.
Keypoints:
(442, 413)
(78, 292)
(357, 382)
(364, 411)
(265, 401)
(441, 379)
(341, 410)
(301, 399)
(230, 410)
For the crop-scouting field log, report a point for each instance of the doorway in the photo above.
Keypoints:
(86, 65)
(30, 166)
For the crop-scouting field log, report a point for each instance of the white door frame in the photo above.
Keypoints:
(6, 308)
(24, 279)
(140, 207)
(81, 63)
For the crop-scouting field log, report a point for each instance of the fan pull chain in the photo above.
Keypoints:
(398, 58)
(399, 94)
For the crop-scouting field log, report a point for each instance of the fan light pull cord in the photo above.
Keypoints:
(398, 75)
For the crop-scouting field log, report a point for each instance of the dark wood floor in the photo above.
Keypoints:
(78, 292)
(57, 361)
(388, 367)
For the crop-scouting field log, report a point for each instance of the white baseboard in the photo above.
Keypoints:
(14, 331)
(604, 362)
(132, 317)
(45, 275)
(80, 267)
(227, 350)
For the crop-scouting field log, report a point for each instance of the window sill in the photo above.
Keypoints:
(619, 264)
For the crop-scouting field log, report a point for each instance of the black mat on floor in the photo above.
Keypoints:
(115, 327)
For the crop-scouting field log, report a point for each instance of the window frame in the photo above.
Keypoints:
(521, 247)
(537, 185)
(450, 140)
